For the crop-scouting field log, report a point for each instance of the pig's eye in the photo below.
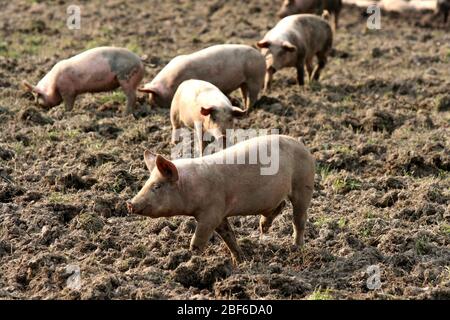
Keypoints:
(156, 187)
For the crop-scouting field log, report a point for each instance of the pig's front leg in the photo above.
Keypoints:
(203, 232)
(226, 233)
(301, 72)
(131, 101)
(199, 135)
(69, 100)
(268, 80)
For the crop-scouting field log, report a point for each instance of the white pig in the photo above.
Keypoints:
(211, 192)
(227, 66)
(200, 102)
(95, 70)
(294, 42)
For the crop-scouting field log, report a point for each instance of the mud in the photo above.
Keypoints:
(377, 123)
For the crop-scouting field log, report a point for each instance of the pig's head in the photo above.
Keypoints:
(156, 97)
(160, 196)
(41, 97)
(287, 8)
(220, 119)
(278, 54)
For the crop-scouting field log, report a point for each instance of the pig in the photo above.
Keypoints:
(198, 101)
(290, 7)
(212, 192)
(227, 66)
(443, 7)
(294, 42)
(95, 70)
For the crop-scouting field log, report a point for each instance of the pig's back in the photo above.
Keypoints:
(225, 66)
(100, 68)
(298, 23)
(290, 151)
(198, 93)
(106, 55)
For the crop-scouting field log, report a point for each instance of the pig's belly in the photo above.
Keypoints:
(98, 82)
(259, 199)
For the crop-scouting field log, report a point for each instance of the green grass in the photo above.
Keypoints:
(421, 245)
(58, 197)
(135, 47)
(72, 134)
(345, 184)
(114, 97)
(324, 171)
(342, 222)
(91, 223)
(53, 135)
(445, 228)
(343, 149)
(18, 148)
(321, 221)
(320, 294)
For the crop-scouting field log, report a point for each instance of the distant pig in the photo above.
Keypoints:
(290, 7)
(211, 192)
(197, 101)
(294, 42)
(227, 66)
(95, 70)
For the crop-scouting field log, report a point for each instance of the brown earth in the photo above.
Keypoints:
(378, 125)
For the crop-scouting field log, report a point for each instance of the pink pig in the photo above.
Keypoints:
(211, 189)
(227, 66)
(294, 42)
(95, 70)
(200, 102)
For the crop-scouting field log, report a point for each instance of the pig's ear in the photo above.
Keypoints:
(263, 44)
(288, 46)
(167, 168)
(148, 90)
(238, 112)
(149, 159)
(27, 86)
(206, 111)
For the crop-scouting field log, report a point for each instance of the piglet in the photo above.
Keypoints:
(294, 42)
(227, 66)
(290, 7)
(200, 102)
(217, 186)
(95, 70)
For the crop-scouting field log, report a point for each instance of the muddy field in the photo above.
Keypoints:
(378, 125)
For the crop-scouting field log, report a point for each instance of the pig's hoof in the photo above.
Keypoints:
(296, 246)
(196, 250)
(238, 259)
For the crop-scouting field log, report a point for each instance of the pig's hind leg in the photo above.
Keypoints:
(244, 91)
(310, 68)
(130, 92)
(253, 91)
(227, 234)
(322, 58)
(300, 204)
